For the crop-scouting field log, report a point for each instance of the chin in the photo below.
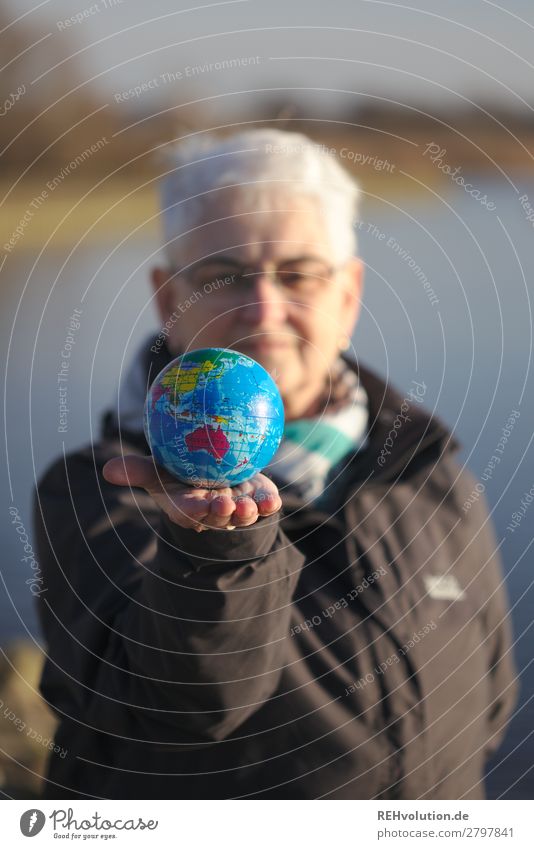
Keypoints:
(275, 357)
(286, 381)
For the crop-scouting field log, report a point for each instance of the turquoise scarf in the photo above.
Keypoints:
(314, 450)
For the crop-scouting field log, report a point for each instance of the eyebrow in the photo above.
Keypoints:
(224, 259)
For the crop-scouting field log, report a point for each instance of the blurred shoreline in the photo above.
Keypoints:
(98, 179)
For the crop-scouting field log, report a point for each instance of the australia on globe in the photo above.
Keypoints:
(213, 417)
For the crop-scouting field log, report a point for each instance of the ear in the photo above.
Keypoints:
(164, 292)
(165, 285)
(352, 294)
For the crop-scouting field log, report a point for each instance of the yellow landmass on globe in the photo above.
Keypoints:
(182, 380)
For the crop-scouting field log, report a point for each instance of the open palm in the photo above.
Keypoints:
(195, 507)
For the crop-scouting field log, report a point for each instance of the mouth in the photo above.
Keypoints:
(267, 344)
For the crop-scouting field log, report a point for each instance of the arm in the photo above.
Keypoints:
(502, 670)
(502, 673)
(156, 632)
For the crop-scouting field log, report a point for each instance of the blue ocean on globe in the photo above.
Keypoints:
(213, 417)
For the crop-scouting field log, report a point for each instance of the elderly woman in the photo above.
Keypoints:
(337, 626)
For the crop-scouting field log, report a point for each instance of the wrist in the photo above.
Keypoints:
(219, 545)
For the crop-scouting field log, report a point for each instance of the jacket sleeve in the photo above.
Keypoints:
(154, 632)
(495, 612)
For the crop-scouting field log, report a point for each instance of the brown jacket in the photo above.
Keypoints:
(315, 654)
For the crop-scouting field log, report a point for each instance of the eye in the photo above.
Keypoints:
(304, 274)
(291, 277)
(208, 274)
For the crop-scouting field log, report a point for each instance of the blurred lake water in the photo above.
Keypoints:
(447, 302)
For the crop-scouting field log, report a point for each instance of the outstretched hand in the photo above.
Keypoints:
(194, 507)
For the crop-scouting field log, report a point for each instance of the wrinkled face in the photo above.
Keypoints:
(293, 323)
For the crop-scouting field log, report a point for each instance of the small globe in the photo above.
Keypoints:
(213, 417)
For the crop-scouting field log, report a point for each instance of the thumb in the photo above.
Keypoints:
(131, 470)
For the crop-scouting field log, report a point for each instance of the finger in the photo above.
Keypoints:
(246, 511)
(268, 502)
(221, 510)
(133, 470)
(183, 512)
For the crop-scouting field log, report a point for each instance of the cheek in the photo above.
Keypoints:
(205, 328)
(320, 331)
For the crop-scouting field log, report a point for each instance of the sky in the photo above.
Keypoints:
(433, 52)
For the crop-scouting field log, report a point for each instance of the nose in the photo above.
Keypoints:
(265, 303)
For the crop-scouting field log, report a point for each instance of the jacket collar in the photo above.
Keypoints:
(402, 435)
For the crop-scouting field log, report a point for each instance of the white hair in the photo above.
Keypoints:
(252, 162)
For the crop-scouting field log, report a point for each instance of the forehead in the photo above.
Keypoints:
(254, 225)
